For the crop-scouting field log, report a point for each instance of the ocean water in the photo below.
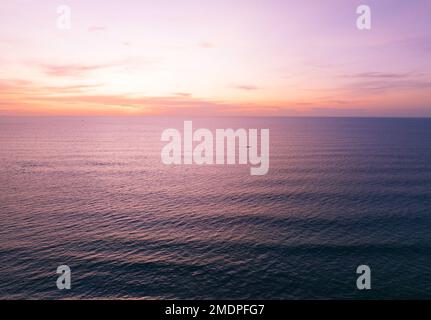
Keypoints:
(92, 193)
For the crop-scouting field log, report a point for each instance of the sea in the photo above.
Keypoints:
(92, 193)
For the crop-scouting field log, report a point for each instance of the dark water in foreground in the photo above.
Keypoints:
(92, 193)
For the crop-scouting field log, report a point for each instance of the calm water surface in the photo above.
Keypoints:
(92, 193)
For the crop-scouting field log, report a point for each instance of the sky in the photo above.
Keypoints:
(205, 57)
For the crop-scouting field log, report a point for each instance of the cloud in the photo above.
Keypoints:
(380, 82)
(183, 94)
(379, 75)
(22, 97)
(206, 45)
(80, 99)
(79, 70)
(71, 70)
(25, 97)
(8, 83)
(97, 28)
(24, 89)
(246, 87)
(418, 44)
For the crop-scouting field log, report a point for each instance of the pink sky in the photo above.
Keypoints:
(202, 57)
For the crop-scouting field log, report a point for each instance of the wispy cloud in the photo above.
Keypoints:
(21, 96)
(97, 28)
(246, 87)
(380, 82)
(28, 90)
(420, 44)
(379, 75)
(206, 45)
(80, 70)
(376, 87)
(183, 94)
(71, 70)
